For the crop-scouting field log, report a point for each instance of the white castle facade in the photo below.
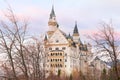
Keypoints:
(63, 51)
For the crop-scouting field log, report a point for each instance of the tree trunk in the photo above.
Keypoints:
(13, 68)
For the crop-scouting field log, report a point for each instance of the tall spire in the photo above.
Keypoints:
(45, 39)
(52, 14)
(76, 34)
(75, 31)
(52, 23)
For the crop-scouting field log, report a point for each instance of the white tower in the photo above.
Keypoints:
(52, 23)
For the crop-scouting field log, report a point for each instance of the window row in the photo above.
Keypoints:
(63, 48)
(56, 54)
(56, 60)
(56, 65)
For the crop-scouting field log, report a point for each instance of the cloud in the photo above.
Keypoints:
(88, 13)
(36, 16)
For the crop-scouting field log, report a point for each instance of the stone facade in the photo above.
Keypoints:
(63, 51)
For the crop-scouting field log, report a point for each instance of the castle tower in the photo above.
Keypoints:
(45, 38)
(76, 37)
(52, 23)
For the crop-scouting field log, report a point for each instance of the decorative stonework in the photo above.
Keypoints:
(64, 52)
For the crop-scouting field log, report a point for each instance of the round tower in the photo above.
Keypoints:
(52, 23)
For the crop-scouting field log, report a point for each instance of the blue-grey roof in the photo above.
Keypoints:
(52, 14)
(75, 29)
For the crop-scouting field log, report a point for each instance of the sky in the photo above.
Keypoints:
(88, 14)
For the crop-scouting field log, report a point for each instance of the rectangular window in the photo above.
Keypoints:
(65, 54)
(65, 60)
(57, 48)
(50, 48)
(63, 48)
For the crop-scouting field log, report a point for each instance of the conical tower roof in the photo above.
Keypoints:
(45, 39)
(52, 14)
(75, 31)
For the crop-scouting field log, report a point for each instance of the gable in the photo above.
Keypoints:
(57, 38)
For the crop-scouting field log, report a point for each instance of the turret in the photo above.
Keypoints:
(45, 39)
(52, 23)
(69, 39)
(76, 37)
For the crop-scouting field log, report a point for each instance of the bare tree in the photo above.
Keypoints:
(36, 59)
(107, 41)
(12, 37)
(19, 46)
(7, 40)
(6, 72)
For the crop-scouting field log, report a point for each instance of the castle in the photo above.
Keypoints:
(63, 51)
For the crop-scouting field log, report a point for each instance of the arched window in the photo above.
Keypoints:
(60, 59)
(56, 65)
(60, 54)
(51, 54)
(51, 60)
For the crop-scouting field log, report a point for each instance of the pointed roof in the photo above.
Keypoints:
(45, 38)
(97, 58)
(75, 29)
(69, 36)
(57, 25)
(61, 35)
(80, 42)
(52, 14)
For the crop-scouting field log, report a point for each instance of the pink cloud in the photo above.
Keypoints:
(88, 32)
(33, 13)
